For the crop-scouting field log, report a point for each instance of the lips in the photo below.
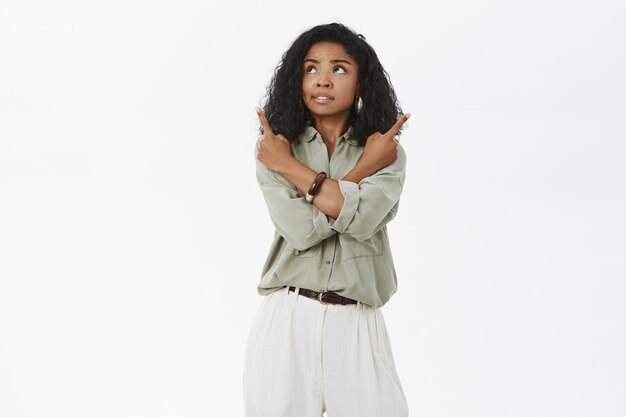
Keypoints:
(321, 98)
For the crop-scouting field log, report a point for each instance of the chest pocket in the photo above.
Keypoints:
(351, 248)
(307, 253)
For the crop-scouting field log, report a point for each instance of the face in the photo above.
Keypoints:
(330, 80)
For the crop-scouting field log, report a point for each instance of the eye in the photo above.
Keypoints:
(310, 70)
(340, 70)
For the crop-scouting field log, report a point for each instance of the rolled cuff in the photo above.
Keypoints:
(321, 225)
(350, 192)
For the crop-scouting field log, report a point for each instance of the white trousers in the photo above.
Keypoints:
(303, 358)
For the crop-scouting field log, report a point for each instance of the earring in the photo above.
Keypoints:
(359, 103)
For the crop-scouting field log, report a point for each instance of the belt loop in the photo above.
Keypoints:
(359, 305)
(287, 290)
(297, 291)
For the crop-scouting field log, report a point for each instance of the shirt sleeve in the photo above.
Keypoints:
(373, 202)
(299, 222)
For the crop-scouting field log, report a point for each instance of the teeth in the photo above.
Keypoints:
(323, 98)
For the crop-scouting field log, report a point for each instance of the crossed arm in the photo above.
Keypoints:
(359, 204)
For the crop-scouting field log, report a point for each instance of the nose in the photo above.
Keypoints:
(322, 81)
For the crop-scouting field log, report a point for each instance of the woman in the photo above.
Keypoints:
(331, 181)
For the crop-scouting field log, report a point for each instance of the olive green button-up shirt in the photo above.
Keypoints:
(349, 255)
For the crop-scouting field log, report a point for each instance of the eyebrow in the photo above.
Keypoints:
(332, 61)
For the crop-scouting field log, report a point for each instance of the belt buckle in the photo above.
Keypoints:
(319, 297)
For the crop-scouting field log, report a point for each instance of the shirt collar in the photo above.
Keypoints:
(309, 133)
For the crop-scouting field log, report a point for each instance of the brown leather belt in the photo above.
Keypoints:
(328, 297)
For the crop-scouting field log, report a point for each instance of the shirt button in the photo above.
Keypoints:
(327, 262)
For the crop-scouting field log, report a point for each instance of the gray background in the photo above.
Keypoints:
(132, 231)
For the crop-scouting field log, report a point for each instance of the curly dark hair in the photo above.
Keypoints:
(284, 105)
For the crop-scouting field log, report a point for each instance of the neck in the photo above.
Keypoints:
(331, 127)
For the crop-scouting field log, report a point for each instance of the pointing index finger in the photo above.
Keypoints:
(265, 124)
(398, 124)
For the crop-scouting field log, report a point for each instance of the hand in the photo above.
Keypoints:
(274, 150)
(382, 150)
